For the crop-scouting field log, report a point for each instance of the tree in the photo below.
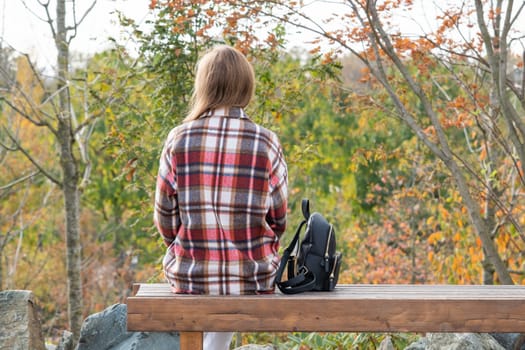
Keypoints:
(55, 113)
(467, 117)
(473, 127)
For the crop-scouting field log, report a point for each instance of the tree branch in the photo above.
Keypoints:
(19, 180)
(25, 115)
(48, 19)
(31, 159)
(75, 23)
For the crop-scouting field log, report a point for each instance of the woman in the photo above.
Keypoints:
(221, 194)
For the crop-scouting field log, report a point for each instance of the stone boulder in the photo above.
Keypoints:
(511, 341)
(106, 330)
(20, 327)
(456, 341)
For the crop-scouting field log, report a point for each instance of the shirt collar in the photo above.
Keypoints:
(234, 112)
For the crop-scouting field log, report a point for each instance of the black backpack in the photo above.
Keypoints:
(314, 264)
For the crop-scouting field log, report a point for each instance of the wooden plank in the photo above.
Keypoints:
(372, 291)
(350, 308)
(191, 340)
(135, 288)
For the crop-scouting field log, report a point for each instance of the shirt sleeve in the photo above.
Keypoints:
(166, 211)
(276, 216)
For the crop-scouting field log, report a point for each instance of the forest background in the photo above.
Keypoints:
(411, 144)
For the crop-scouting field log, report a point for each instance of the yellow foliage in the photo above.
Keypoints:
(435, 237)
(502, 241)
(483, 153)
(445, 214)
(475, 255)
(349, 187)
(29, 84)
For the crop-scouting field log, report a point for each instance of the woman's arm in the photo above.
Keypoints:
(276, 217)
(166, 212)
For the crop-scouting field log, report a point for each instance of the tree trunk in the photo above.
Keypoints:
(481, 226)
(1, 270)
(71, 176)
(488, 272)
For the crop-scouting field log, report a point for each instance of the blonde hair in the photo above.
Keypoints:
(224, 78)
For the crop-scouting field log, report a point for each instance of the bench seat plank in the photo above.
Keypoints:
(350, 308)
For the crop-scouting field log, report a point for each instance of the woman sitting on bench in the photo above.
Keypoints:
(221, 194)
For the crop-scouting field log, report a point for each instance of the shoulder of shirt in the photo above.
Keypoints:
(174, 134)
(180, 128)
(271, 135)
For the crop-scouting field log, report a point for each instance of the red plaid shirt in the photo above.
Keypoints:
(220, 205)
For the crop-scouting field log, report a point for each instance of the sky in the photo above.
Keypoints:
(22, 28)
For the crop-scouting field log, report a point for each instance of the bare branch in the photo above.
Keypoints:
(31, 159)
(484, 126)
(35, 110)
(19, 180)
(522, 95)
(25, 115)
(483, 28)
(77, 23)
(8, 148)
(48, 19)
(380, 37)
(515, 18)
(44, 4)
(319, 29)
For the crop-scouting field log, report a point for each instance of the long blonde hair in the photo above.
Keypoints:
(224, 77)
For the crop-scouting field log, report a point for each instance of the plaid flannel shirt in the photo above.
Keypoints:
(220, 205)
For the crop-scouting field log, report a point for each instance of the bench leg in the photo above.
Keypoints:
(190, 340)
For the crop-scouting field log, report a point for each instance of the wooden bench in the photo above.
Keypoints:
(350, 308)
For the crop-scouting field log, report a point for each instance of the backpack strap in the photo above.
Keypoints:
(304, 280)
(285, 259)
(305, 206)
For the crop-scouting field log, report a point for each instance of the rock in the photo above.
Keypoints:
(386, 344)
(456, 341)
(66, 342)
(106, 330)
(20, 327)
(149, 340)
(509, 340)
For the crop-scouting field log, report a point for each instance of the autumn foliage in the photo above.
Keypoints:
(411, 144)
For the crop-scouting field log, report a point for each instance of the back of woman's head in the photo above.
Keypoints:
(224, 77)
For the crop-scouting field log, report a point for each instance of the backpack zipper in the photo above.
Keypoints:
(332, 274)
(326, 256)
